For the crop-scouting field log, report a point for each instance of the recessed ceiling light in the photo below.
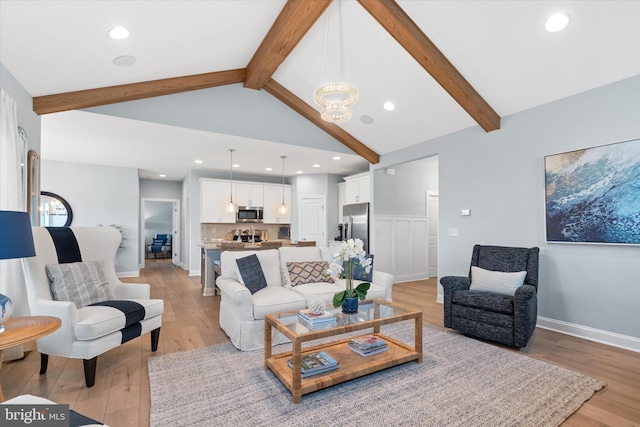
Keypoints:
(299, 172)
(162, 175)
(367, 120)
(118, 33)
(316, 165)
(124, 61)
(198, 161)
(557, 22)
(336, 157)
(389, 106)
(236, 165)
(268, 169)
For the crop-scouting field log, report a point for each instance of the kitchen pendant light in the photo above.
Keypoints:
(231, 206)
(283, 207)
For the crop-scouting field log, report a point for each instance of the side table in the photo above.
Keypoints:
(21, 330)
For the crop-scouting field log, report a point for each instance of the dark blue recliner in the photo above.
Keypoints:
(506, 319)
(160, 245)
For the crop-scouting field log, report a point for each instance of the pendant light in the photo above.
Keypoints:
(231, 206)
(283, 207)
(337, 98)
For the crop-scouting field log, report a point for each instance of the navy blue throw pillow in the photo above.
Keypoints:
(251, 272)
(359, 272)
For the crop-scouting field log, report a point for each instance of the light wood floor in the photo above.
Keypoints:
(120, 396)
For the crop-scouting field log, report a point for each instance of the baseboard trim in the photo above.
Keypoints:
(194, 272)
(598, 335)
(208, 292)
(124, 274)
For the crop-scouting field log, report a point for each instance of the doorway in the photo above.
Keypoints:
(313, 219)
(160, 216)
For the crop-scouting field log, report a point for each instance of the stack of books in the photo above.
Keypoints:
(312, 319)
(368, 344)
(315, 363)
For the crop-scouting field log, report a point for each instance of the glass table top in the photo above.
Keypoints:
(367, 310)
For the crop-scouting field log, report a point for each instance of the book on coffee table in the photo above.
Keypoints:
(313, 318)
(367, 345)
(315, 363)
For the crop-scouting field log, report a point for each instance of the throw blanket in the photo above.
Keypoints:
(133, 312)
(66, 244)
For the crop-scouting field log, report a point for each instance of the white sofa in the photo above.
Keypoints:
(242, 314)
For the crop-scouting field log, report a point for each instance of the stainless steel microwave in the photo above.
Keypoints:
(250, 214)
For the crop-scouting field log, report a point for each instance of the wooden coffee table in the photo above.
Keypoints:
(21, 330)
(372, 315)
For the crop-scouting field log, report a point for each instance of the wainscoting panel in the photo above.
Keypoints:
(402, 247)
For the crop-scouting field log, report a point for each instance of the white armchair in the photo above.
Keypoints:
(91, 330)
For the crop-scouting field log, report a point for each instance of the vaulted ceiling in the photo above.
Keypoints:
(446, 66)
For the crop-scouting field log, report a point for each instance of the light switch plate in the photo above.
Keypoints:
(466, 212)
(453, 232)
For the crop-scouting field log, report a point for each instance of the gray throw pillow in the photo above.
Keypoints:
(82, 283)
(251, 273)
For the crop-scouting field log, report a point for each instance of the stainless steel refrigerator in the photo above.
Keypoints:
(355, 223)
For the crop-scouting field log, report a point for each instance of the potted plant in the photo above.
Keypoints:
(350, 255)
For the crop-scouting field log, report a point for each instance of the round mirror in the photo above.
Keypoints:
(54, 210)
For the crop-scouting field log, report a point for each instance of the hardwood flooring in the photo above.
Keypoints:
(120, 397)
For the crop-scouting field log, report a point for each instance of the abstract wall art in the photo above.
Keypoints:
(593, 195)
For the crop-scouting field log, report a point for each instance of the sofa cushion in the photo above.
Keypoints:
(250, 273)
(82, 283)
(274, 299)
(98, 321)
(308, 272)
(496, 281)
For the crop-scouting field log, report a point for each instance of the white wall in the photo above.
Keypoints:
(158, 219)
(590, 290)
(100, 195)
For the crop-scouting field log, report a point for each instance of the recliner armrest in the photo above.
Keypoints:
(455, 283)
(450, 285)
(235, 290)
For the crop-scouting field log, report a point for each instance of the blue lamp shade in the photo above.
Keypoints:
(16, 238)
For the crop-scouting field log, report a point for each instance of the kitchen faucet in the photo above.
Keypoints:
(252, 235)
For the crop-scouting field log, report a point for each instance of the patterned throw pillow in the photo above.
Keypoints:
(82, 283)
(251, 274)
(308, 272)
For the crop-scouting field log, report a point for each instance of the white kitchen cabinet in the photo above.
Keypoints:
(249, 194)
(358, 188)
(272, 203)
(342, 199)
(214, 195)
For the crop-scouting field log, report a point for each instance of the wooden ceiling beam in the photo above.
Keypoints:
(130, 92)
(293, 22)
(402, 28)
(311, 114)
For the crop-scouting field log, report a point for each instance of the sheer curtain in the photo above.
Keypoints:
(11, 199)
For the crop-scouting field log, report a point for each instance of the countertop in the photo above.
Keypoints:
(215, 244)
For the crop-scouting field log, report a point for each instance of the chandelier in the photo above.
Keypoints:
(336, 99)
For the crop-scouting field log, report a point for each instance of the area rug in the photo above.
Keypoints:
(461, 382)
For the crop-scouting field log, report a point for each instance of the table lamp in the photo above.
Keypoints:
(16, 241)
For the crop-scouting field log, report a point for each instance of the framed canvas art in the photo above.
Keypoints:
(593, 195)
